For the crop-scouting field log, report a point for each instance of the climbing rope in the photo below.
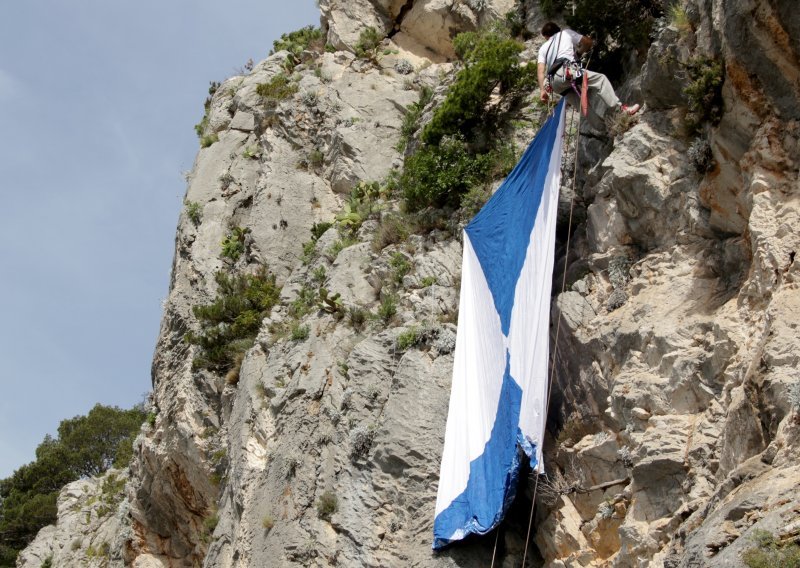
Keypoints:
(558, 324)
(496, 537)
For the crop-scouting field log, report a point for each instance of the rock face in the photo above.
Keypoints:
(424, 27)
(675, 414)
(675, 364)
(92, 525)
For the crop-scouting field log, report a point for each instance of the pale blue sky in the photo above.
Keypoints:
(98, 99)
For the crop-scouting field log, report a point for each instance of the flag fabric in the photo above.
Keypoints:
(498, 397)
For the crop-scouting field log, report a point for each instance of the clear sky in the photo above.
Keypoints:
(98, 99)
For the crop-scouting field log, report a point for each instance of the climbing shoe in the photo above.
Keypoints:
(630, 110)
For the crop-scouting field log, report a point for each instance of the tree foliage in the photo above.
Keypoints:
(298, 41)
(230, 323)
(368, 42)
(446, 166)
(490, 61)
(436, 175)
(703, 92)
(86, 446)
(618, 27)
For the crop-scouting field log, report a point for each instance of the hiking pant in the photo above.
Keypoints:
(602, 97)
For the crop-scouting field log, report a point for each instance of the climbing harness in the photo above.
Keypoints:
(574, 73)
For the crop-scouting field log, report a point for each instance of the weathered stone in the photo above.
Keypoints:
(675, 352)
(92, 525)
(243, 121)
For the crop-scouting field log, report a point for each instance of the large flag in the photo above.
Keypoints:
(498, 398)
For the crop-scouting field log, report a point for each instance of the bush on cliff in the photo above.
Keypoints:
(298, 41)
(437, 174)
(769, 551)
(491, 60)
(278, 88)
(703, 92)
(445, 167)
(368, 42)
(229, 324)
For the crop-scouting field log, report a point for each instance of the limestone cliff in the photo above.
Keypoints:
(674, 416)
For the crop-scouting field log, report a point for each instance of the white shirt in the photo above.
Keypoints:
(560, 45)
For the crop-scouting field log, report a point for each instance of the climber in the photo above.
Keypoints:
(558, 66)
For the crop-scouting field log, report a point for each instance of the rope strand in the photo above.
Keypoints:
(496, 537)
(558, 323)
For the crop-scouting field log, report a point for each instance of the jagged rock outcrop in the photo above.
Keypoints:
(92, 525)
(676, 362)
(674, 419)
(422, 27)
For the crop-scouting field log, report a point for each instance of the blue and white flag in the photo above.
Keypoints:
(498, 399)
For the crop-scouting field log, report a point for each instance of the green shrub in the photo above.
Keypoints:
(407, 339)
(768, 552)
(515, 24)
(411, 119)
(473, 200)
(327, 505)
(490, 59)
(208, 140)
(428, 281)
(251, 152)
(298, 41)
(368, 41)
(394, 228)
(436, 175)
(267, 522)
(703, 92)
(357, 317)
(194, 211)
(318, 229)
(233, 243)
(201, 126)
(112, 494)
(310, 247)
(319, 275)
(316, 158)
(400, 267)
(229, 324)
(388, 309)
(305, 301)
(340, 245)
(679, 19)
(101, 552)
(280, 87)
(210, 523)
(309, 252)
